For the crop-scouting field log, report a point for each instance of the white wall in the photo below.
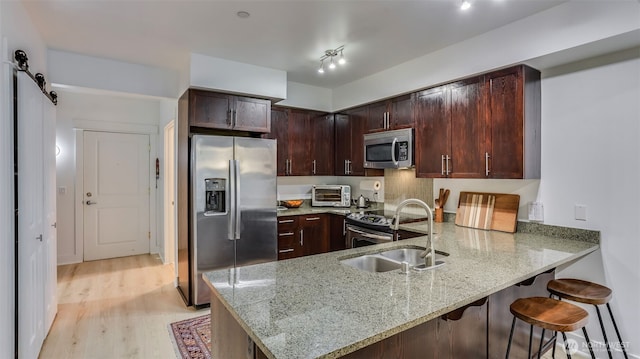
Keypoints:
(307, 97)
(591, 156)
(113, 111)
(99, 73)
(230, 76)
(16, 32)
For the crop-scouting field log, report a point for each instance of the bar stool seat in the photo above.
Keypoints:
(549, 314)
(586, 292)
(580, 291)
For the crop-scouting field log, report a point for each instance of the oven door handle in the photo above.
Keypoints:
(371, 235)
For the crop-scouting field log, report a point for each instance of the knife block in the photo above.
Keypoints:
(438, 215)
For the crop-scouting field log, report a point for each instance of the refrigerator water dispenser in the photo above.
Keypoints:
(215, 195)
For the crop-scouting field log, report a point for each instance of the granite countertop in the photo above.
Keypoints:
(315, 306)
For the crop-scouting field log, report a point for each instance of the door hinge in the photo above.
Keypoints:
(149, 234)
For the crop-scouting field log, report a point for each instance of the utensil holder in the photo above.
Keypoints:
(438, 215)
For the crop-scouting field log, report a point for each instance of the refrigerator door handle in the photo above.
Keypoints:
(231, 233)
(238, 214)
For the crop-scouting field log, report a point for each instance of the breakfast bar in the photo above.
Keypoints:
(318, 307)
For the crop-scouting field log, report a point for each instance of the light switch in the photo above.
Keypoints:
(536, 211)
(581, 212)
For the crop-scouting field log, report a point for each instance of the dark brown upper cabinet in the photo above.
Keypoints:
(391, 114)
(350, 128)
(514, 117)
(482, 127)
(349, 153)
(322, 144)
(228, 112)
(304, 139)
(450, 130)
(280, 132)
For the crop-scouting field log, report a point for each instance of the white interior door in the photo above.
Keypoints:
(169, 193)
(30, 219)
(116, 194)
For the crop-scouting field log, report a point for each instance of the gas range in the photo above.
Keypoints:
(379, 220)
(370, 219)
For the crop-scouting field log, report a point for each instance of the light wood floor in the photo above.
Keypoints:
(116, 308)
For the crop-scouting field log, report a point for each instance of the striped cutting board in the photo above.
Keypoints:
(489, 211)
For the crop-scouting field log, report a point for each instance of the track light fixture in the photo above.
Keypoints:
(330, 54)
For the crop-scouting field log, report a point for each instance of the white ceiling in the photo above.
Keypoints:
(284, 35)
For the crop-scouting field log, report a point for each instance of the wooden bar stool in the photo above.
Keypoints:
(588, 293)
(548, 314)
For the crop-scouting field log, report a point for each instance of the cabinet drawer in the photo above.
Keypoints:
(288, 244)
(287, 223)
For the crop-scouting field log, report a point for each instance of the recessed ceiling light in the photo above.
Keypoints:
(465, 5)
(243, 14)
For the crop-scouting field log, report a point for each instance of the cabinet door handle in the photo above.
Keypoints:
(314, 166)
(39, 237)
(486, 163)
(348, 167)
(442, 165)
(229, 116)
(285, 250)
(286, 221)
(312, 219)
(301, 238)
(447, 159)
(235, 118)
(285, 234)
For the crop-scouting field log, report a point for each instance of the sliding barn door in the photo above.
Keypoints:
(36, 217)
(30, 219)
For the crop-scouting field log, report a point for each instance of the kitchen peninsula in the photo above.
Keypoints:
(316, 307)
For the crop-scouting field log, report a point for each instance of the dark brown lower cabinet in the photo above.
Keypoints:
(302, 235)
(336, 232)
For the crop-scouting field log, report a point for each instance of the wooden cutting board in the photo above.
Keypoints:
(489, 211)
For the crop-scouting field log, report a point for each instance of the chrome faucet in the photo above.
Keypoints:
(428, 254)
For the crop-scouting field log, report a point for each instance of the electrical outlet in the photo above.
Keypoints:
(581, 212)
(62, 190)
(536, 211)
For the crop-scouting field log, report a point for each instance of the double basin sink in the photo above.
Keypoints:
(392, 260)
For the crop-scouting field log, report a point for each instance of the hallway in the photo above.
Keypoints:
(116, 308)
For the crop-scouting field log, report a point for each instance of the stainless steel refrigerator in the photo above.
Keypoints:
(232, 209)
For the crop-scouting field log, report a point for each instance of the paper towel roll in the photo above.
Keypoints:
(370, 185)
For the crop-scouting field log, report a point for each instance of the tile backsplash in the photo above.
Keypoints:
(402, 184)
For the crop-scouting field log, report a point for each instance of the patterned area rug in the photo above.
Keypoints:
(192, 337)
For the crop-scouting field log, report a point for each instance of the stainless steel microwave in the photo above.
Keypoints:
(389, 149)
(331, 196)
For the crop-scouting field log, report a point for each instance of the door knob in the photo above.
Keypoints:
(91, 202)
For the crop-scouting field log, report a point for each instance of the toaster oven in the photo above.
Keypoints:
(331, 196)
